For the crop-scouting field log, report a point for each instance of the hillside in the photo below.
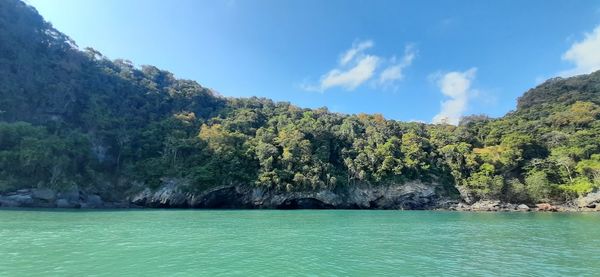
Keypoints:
(72, 119)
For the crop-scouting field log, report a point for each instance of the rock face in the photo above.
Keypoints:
(168, 196)
(491, 206)
(486, 205)
(412, 195)
(43, 194)
(592, 201)
(48, 198)
(466, 195)
(545, 207)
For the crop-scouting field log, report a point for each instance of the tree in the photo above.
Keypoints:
(578, 115)
(538, 186)
(590, 168)
(578, 187)
(563, 157)
(415, 149)
(484, 183)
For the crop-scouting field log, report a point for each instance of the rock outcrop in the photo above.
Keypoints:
(411, 195)
(591, 201)
(497, 206)
(486, 205)
(546, 207)
(48, 198)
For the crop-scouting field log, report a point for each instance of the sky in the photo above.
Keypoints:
(417, 60)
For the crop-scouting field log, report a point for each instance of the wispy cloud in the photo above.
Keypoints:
(357, 48)
(353, 77)
(457, 87)
(394, 72)
(584, 54)
(355, 67)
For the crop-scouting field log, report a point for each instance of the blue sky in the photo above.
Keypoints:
(408, 60)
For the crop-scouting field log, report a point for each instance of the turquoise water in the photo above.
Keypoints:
(297, 243)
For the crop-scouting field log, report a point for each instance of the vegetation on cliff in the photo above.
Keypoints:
(71, 117)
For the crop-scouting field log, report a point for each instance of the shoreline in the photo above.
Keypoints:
(415, 196)
(558, 210)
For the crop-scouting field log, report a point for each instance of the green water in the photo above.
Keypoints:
(297, 243)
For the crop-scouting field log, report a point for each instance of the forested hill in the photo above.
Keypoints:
(73, 118)
(563, 92)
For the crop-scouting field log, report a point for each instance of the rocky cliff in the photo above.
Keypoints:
(408, 196)
(411, 195)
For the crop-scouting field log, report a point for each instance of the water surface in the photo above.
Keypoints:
(302, 242)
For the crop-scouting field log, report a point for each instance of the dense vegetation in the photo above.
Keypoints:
(71, 117)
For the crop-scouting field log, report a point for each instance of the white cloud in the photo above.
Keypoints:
(353, 77)
(394, 72)
(391, 73)
(457, 87)
(584, 54)
(357, 48)
(355, 67)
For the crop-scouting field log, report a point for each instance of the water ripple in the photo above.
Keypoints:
(292, 243)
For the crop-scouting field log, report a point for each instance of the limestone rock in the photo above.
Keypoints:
(591, 200)
(66, 204)
(410, 195)
(545, 207)
(44, 194)
(92, 201)
(486, 205)
(72, 196)
(22, 199)
(466, 195)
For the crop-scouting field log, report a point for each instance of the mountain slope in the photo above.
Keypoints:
(563, 91)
